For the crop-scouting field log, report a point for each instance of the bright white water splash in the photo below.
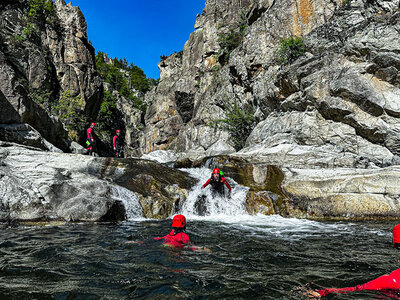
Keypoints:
(216, 206)
(231, 213)
(130, 201)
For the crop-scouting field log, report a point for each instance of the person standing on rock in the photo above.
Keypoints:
(117, 144)
(217, 182)
(90, 139)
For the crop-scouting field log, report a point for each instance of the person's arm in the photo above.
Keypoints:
(227, 185)
(384, 282)
(114, 140)
(89, 134)
(207, 183)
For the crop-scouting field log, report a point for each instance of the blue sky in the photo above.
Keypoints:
(140, 30)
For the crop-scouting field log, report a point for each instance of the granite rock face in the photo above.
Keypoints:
(38, 185)
(37, 66)
(195, 82)
(329, 121)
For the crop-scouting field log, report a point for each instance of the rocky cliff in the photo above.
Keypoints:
(46, 186)
(44, 53)
(325, 142)
(329, 120)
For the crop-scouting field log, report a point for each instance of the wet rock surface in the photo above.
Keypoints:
(37, 185)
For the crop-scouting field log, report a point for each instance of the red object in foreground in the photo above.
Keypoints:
(177, 240)
(385, 282)
(396, 234)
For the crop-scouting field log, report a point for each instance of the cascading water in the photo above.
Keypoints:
(214, 206)
(130, 201)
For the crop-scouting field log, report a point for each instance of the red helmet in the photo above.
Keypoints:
(118, 131)
(179, 221)
(396, 235)
(92, 124)
(215, 171)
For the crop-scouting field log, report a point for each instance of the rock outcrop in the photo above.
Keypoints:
(45, 186)
(327, 121)
(41, 57)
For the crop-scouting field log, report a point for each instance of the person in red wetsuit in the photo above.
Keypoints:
(217, 183)
(384, 282)
(117, 144)
(177, 237)
(90, 138)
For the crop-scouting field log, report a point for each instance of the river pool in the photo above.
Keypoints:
(252, 257)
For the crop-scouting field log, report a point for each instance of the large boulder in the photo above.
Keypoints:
(37, 185)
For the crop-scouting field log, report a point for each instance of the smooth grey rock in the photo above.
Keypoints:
(26, 135)
(220, 148)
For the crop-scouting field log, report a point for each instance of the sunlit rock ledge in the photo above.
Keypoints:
(48, 186)
(314, 193)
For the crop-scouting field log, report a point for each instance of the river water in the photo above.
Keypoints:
(252, 257)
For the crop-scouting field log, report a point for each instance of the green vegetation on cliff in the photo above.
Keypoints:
(289, 50)
(70, 111)
(239, 122)
(39, 9)
(38, 12)
(123, 75)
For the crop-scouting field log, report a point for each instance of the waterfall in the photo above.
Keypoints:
(215, 206)
(130, 201)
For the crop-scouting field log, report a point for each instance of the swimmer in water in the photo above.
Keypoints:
(177, 238)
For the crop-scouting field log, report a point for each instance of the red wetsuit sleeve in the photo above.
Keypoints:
(385, 282)
(207, 183)
(172, 233)
(114, 139)
(89, 133)
(227, 184)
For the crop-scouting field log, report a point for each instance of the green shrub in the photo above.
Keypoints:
(17, 39)
(113, 74)
(289, 50)
(228, 42)
(108, 112)
(39, 8)
(239, 122)
(28, 30)
(42, 97)
(69, 109)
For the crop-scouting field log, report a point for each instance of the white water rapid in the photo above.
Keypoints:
(131, 203)
(216, 206)
(231, 213)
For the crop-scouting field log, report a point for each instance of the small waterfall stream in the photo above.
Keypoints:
(215, 206)
(130, 200)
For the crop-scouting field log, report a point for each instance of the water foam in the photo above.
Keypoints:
(217, 206)
(130, 201)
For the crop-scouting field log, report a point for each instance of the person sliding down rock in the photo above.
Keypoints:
(90, 144)
(386, 282)
(217, 182)
(117, 144)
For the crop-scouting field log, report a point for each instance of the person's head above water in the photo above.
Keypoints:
(396, 236)
(179, 222)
